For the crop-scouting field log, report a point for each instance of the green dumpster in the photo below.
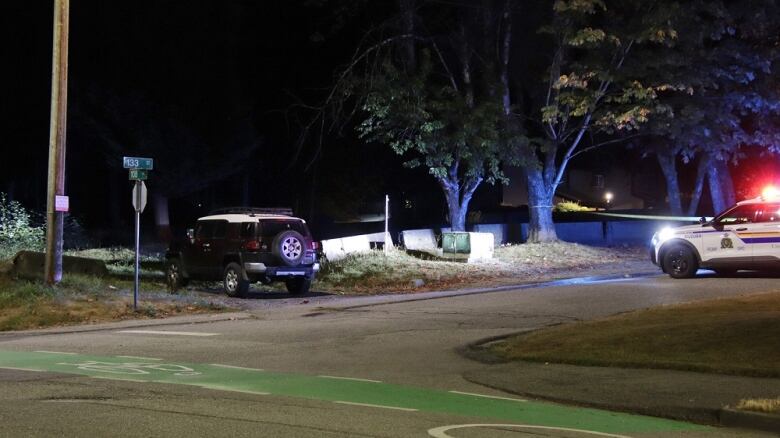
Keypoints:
(456, 243)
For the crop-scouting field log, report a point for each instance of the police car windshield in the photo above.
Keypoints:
(740, 214)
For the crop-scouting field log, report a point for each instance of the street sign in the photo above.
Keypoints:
(61, 203)
(138, 174)
(139, 196)
(137, 163)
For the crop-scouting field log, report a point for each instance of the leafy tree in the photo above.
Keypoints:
(455, 137)
(17, 230)
(724, 97)
(432, 95)
(594, 94)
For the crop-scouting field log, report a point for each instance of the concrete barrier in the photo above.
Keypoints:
(419, 240)
(482, 245)
(336, 249)
(29, 265)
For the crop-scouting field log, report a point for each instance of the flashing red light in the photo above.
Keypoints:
(770, 192)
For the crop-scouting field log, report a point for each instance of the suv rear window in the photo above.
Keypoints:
(247, 230)
(270, 228)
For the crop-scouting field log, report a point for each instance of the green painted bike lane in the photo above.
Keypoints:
(227, 378)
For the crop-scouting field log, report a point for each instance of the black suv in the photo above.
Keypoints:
(242, 246)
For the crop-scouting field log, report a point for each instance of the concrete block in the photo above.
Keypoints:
(335, 249)
(482, 245)
(419, 240)
(30, 265)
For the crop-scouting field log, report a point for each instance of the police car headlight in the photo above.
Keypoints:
(664, 235)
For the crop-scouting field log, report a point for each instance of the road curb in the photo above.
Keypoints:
(750, 420)
(134, 323)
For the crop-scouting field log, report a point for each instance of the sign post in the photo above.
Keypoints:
(138, 168)
(56, 174)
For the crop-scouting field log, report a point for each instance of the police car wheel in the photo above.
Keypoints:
(680, 262)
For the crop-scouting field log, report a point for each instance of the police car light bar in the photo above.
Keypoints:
(770, 193)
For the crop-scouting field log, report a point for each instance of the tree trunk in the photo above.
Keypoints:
(667, 161)
(701, 171)
(458, 198)
(457, 211)
(727, 184)
(540, 227)
(161, 217)
(716, 189)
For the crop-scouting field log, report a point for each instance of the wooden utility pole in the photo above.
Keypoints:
(59, 110)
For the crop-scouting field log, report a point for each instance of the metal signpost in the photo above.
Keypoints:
(138, 168)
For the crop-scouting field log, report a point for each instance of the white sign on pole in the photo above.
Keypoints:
(139, 196)
(61, 203)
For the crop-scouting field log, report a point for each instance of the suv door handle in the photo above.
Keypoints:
(741, 229)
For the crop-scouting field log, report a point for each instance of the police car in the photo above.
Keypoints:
(746, 236)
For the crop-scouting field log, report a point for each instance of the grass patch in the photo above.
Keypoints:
(563, 254)
(120, 261)
(80, 299)
(765, 405)
(380, 272)
(394, 270)
(727, 336)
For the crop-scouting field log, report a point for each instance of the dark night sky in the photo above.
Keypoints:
(213, 62)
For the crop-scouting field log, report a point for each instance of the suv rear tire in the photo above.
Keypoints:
(233, 280)
(680, 262)
(298, 285)
(289, 247)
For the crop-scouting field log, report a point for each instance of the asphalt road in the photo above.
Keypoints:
(325, 367)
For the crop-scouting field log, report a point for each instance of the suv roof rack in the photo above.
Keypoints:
(283, 211)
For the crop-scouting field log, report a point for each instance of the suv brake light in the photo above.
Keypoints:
(252, 245)
(315, 245)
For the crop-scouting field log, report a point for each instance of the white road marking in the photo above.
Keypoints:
(162, 332)
(138, 357)
(23, 369)
(441, 432)
(119, 378)
(376, 406)
(224, 388)
(489, 396)
(55, 352)
(351, 378)
(219, 365)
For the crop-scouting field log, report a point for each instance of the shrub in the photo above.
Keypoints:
(570, 206)
(17, 231)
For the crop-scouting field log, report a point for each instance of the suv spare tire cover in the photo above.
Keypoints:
(289, 247)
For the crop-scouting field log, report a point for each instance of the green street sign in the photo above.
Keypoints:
(138, 174)
(137, 163)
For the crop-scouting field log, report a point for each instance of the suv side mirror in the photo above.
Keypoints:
(702, 220)
(190, 233)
